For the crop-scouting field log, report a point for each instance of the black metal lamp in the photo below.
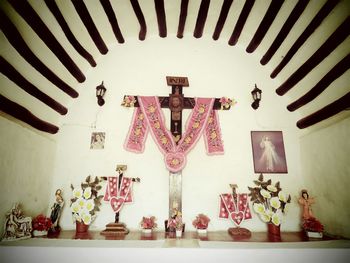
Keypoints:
(256, 94)
(100, 92)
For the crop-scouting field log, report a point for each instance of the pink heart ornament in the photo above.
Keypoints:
(117, 203)
(175, 162)
(237, 217)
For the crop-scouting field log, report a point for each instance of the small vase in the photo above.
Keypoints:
(38, 233)
(178, 233)
(80, 227)
(274, 232)
(147, 231)
(202, 232)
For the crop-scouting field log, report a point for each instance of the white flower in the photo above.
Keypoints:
(269, 212)
(77, 192)
(86, 217)
(81, 202)
(259, 208)
(276, 220)
(87, 193)
(265, 193)
(265, 217)
(271, 188)
(77, 217)
(282, 197)
(275, 202)
(76, 207)
(286, 208)
(90, 205)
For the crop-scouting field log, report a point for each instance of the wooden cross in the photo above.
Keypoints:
(176, 102)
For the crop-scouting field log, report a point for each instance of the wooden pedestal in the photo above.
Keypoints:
(115, 229)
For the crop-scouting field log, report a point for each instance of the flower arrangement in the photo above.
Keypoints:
(175, 223)
(41, 223)
(86, 201)
(226, 103)
(148, 222)
(269, 202)
(201, 221)
(128, 101)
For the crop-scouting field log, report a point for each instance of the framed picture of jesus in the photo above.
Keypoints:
(268, 152)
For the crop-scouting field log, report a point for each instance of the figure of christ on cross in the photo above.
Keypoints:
(176, 102)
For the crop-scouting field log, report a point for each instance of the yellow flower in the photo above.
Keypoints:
(259, 208)
(151, 109)
(86, 217)
(265, 217)
(76, 207)
(201, 109)
(157, 125)
(87, 193)
(77, 192)
(81, 202)
(265, 193)
(213, 135)
(282, 196)
(188, 139)
(164, 140)
(275, 202)
(90, 205)
(175, 161)
(276, 219)
(272, 188)
(137, 131)
(141, 116)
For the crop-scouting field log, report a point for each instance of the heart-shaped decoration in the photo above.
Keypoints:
(117, 203)
(175, 162)
(177, 138)
(237, 217)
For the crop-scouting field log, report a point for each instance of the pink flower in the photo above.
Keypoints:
(201, 221)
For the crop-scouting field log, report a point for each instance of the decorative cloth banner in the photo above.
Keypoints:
(116, 195)
(237, 211)
(149, 116)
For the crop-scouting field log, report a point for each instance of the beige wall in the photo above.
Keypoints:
(27, 163)
(326, 169)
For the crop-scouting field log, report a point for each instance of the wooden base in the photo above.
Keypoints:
(239, 232)
(115, 229)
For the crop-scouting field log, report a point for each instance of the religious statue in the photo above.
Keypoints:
(236, 207)
(310, 224)
(17, 226)
(56, 210)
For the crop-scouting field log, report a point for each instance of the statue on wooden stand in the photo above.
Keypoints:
(17, 226)
(56, 211)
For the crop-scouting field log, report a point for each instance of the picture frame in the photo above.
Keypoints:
(268, 152)
(97, 141)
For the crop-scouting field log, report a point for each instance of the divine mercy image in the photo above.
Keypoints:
(268, 152)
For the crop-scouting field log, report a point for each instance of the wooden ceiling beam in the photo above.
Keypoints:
(222, 18)
(328, 111)
(11, 73)
(316, 21)
(332, 75)
(201, 18)
(248, 5)
(265, 24)
(138, 12)
(182, 18)
(161, 18)
(16, 40)
(39, 27)
(338, 36)
(106, 4)
(89, 24)
(51, 4)
(291, 20)
(19, 112)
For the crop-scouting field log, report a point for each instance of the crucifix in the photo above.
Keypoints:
(174, 144)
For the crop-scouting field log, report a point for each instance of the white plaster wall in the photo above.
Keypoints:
(326, 168)
(214, 69)
(27, 165)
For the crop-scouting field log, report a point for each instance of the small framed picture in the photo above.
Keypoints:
(268, 152)
(97, 140)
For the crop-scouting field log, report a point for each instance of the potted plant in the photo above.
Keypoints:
(85, 203)
(41, 224)
(269, 202)
(147, 224)
(201, 223)
(177, 224)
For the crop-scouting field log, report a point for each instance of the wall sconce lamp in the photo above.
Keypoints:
(100, 92)
(256, 94)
